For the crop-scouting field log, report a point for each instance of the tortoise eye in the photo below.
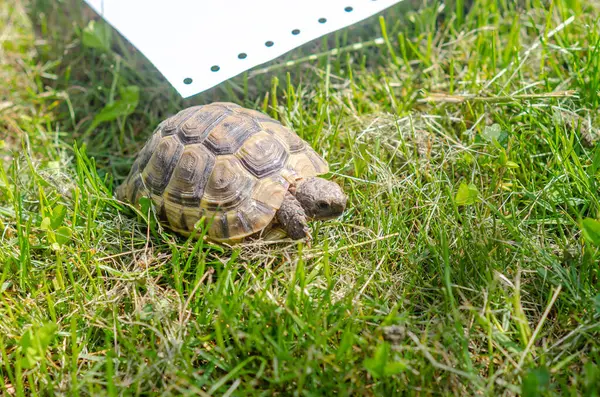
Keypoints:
(322, 205)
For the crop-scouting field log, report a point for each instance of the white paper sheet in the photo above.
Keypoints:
(196, 44)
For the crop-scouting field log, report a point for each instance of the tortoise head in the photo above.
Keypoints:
(320, 198)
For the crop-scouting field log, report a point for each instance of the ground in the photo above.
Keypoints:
(466, 263)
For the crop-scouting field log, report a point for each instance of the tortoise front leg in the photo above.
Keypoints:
(292, 218)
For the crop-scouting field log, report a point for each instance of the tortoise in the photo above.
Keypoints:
(243, 171)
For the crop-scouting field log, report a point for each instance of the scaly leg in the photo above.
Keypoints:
(292, 218)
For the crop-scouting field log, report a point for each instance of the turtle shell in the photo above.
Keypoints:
(220, 161)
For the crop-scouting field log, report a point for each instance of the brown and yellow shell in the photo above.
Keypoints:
(222, 162)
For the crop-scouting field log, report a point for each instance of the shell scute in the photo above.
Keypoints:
(308, 163)
(291, 140)
(160, 167)
(169, 126)
(230, 133)
(196, 128)
(262, 154)
(229, 185)
(255, 114)
(271, 191)
(190, 176)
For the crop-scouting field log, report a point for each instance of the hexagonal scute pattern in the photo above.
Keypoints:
(144, 156)
(229, 184)
(161, 210)
(190, 176)
(182, 218)
(227, 105)
(258, 116)
(132, 189)
(196, 128)
(169, 126)
(308, 163)
(262, 154)
(321, 166)
(289, 138)
(157, 173)
(271, 190)
(249, 218)
(230, 133)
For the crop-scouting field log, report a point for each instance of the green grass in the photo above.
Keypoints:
(466, 140)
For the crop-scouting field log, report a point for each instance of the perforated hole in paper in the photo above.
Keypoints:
(197, 44)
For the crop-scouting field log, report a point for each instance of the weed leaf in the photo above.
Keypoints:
(58, 215)
(494, 133)
(123, 107)
(376, 364)
(535, 382)
(97, 35)
(591, 231)
(46, 224)
(63, 235)
(467, 194)
(379, 365)
(35, 343)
